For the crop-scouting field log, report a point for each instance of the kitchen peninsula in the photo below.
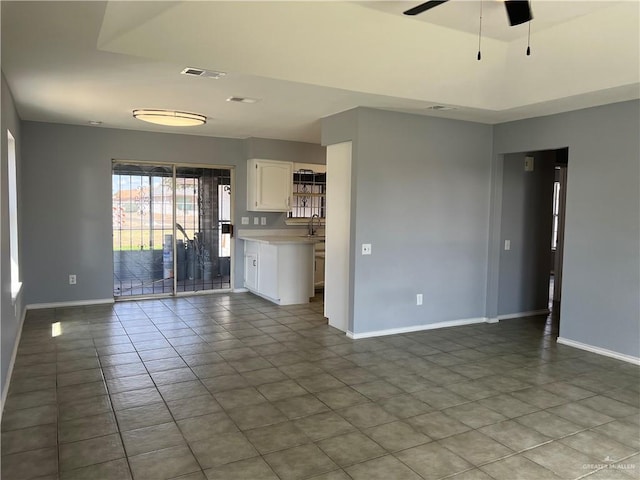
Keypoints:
(279, 266)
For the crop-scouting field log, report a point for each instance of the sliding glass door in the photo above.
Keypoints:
(203, 249)
(171, 229)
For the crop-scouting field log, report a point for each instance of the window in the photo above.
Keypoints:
(13, 216)
(309, 191)
(556, 211)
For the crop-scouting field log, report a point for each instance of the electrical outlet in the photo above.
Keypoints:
(419, 299)
(244, 220)
(366, 249)
(256, 220)
(507, 244)
(72, 279)
(263, 220)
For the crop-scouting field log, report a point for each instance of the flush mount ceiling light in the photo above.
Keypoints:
(170, 118)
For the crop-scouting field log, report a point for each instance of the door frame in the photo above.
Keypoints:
(492, 291)
(559, 253)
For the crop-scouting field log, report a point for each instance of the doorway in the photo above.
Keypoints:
(171, 229)
(557, 234)
(532, 234)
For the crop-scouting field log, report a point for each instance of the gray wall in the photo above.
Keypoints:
(429, 198)
(284, 150)
(67, 198)
(422, 189)
(601, 284)
(527, 204)
(11, 315)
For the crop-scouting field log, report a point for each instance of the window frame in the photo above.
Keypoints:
(12, 196)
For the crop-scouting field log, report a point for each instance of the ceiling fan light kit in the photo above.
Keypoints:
(518, 11)
(170, 118)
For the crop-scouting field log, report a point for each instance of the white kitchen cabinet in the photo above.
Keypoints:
(280, 270)
(251, 270)
(269, 185)
(268, 271)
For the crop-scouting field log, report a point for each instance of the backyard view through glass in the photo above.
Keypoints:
(167, 229)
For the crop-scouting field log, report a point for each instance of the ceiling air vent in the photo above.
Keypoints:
(441, 108)
(199, 72)
(242, 99)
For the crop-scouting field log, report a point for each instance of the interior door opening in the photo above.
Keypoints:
(171, 229)
(557, 235)
(532, 235)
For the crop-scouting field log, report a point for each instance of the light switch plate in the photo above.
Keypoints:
(256, 220)
(507, 244)
(263, 220)
(244, 220)
(528, 164)
(366, 249)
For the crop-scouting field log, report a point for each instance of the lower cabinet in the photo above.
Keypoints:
(281, 273)
(251, 271)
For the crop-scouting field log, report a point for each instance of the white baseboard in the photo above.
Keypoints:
(599, 350)
(417, 328)
(5, 387)
(240, 290)
(532, 313)
(77, 303)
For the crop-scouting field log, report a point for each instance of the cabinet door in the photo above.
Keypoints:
(268, 272)
(251, 271)
(272, 183)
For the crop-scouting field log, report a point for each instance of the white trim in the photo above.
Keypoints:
(5, 387)
(533, 313)
(599, 350)
(77, 303)
(240, 290)
(493, 320)
(16, 288)
(417, 328)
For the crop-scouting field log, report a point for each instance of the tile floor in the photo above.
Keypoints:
(232, 387)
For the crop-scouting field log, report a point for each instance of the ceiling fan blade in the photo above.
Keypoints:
(423, 7)
(518, 11)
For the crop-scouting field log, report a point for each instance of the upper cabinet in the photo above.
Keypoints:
(269, 185)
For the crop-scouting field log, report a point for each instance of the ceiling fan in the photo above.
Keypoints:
(518, 11)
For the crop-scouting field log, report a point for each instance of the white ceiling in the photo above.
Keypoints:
(72, 62)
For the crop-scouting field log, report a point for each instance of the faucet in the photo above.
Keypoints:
(312, 231)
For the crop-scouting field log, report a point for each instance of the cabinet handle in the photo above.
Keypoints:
(254, 263)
